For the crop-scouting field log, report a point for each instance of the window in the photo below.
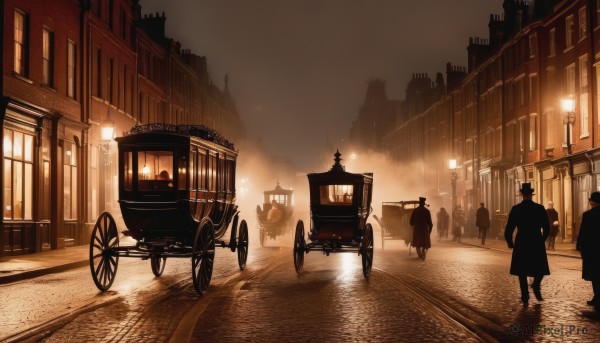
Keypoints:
(583, 115)
(532, 87)
(71, 69)
(336, 194)
(70, 180)
(582, 23)
(155, 170)
(123, 24)
(570, 79)
(569, 32)
(110, 80)
(47, 57)
(128, 170)
(532, 132)
(18, 175)
(583, 72)
(21, 44)
(532, 45)
(552, 42)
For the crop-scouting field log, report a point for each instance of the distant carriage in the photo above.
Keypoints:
(395, 222)
(177, 198)
(340, 204)
(273, 227)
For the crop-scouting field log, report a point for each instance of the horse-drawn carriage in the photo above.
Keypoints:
(340, 204)
(177, 198)
(395, 222)
(276, 217)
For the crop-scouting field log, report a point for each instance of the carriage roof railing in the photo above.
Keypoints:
(200, 131)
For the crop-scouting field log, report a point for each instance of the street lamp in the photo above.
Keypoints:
(453, 177)
(568, 106)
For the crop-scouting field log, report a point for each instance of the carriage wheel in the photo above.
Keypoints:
(242, 245)
(232, 241)
(158, 264)
(367, 250)
(103, 263)
(299, 246)
(203, 255)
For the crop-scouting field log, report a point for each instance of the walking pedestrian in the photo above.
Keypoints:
(554, 225)
(529, 250)
(443, 220)
(482, 221)
(420, 218)
(587, 244)
(458, 220)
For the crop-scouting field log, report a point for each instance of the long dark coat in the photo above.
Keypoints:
(529, 253)
(483, 218)
(587, 244)
(552, 217)
(420, 218)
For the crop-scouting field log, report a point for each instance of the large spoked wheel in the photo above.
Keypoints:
(203, 255)
(299, 247)
(242, 245)
(103, 263)
(158, 265)
(367, 250)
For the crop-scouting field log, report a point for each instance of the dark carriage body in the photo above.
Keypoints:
(170, 178)
(395, 221)
(177, 198)
(340, 204)
(285, 201)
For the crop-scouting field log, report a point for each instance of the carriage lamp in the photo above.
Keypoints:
(568, 106)
(107, 131)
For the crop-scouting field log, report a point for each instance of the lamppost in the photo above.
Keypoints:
(568, 106)
(107, 129)
(453, 177)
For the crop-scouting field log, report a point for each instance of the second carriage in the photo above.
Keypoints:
(276, 217)
(340, 204)
(395, 222)
(177, 198)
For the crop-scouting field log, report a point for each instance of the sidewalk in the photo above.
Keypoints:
(561, 248)
(21, 267)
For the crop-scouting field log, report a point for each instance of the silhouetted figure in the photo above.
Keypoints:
(443, 221)
(529, 253)
(587, 244)
(482, 221)
(554, 225)
(458, 220)
(420, 218)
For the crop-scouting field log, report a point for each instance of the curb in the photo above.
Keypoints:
(29, 274)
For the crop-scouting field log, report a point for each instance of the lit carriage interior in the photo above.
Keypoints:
(171, 177)
(339, 200)
(284, 198)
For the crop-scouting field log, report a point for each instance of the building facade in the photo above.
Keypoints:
(77, 73)
(502, 119)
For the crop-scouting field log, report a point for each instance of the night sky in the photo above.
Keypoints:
(298, 69)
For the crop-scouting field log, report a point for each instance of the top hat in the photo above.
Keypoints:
(422, 200)
(526, 188)
(595, 197)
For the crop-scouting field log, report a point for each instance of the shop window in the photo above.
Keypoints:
(70, 180)
(18, 175)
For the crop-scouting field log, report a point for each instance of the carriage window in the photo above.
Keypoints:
(193, 172)
(336, 194)
(212, 173)
(155, 170)
(201, 170)
(128, 171)
(280, 198)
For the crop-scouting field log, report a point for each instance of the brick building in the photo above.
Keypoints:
(74, 70)
(501, 118)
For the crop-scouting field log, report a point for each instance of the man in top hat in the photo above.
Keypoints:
(420, 219)
(587, 244)
(529, 248)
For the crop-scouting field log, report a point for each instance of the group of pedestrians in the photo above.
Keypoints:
(534, 224)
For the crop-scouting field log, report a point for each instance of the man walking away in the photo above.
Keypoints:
(529, 248)
(482, 222)
(587, 244)
(553, 219)
(420, 219)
